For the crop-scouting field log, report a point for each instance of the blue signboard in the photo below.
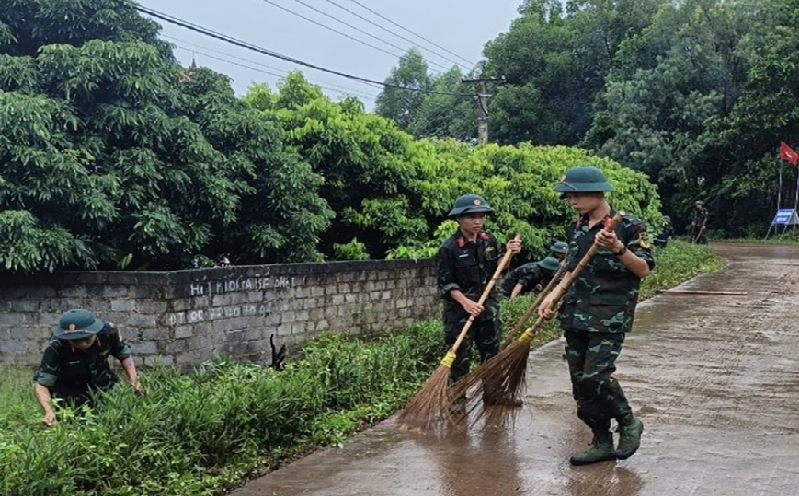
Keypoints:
(785, 217)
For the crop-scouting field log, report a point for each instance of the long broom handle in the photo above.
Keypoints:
(560, 292)
(449, 358)
(534, 306)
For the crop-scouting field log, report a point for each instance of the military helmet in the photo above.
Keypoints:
(559, 247)
(77, 324)
(699, 203)
(667, 218)
(550, 263)
(583, 179)
(468, 204)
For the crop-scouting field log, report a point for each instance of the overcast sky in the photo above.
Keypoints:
(460, 26)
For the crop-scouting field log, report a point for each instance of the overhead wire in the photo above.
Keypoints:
(331, 87)
(359, 16)
(334, 30)
(381, 16)
(249, 46)
(319, 11)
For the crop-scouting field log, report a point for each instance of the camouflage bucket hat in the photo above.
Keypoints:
(77, 324)
(584, 179)
(550, 263)
(559, 247)
(468, 204)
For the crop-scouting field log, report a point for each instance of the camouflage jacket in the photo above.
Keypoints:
(603, 297)
(699, 217)
(468, 267)
(66, 368)
(528, 275)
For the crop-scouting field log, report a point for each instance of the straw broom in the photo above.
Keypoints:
(431, 403)
(504, 374)
(534, 306)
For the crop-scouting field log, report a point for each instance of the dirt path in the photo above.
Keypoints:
(714, 378)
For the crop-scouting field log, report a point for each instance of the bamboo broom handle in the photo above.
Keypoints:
(449, 358)
(529, 334)
(529, 313)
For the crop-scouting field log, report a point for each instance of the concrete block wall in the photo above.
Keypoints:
(186, 317)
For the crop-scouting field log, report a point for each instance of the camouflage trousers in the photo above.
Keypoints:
(591, 357)
(484, 334)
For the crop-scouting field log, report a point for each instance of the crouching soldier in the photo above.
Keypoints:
(467, 261)
(532, 277)
(75, 362)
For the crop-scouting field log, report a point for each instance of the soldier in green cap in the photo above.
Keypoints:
(559, 250)
(598, 311)
(699, 217)
(75, 362)
(467, 261)
(530, 277)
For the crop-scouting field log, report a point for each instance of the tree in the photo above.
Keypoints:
(110, 158)
(402, 105)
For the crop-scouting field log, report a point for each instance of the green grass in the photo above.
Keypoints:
(203, 433)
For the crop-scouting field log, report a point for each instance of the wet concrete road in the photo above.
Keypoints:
(714, 378)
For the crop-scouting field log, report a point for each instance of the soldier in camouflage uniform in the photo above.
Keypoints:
(467, 261)
(75, 362)
(530, 277)
(598, 311)
(699, 223)
(558, 251)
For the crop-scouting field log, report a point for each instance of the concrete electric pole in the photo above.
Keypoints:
(482, 105)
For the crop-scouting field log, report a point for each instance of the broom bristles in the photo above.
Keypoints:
(431, 404)
(502, 376)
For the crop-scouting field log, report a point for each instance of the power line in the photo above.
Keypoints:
(245, 66)
(357, 29)
(243, 44)
(356, 2)
(359, 16)
(338, 89)
(325, 26)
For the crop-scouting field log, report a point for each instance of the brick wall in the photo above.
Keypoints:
(185, 317)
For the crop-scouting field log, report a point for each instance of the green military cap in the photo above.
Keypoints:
(468, 204)
(583, 179)
(667, 218)
(77, 324)
(699, 202)
(559, 247)
(550, 263)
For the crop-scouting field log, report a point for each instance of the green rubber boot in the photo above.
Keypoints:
(630, 430)
(601, 450)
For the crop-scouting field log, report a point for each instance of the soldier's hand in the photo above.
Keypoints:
(514, 246)
(546, 310)
(608, 239)
(49, 419)
(473, 308)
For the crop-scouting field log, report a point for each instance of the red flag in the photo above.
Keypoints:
(787, 154)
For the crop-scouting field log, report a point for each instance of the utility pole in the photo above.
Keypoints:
(482, 105)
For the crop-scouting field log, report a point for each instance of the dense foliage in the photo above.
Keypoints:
(697, 94)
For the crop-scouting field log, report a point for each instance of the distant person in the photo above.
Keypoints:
(699, 223)
(75, 362)
(532, 277)
(662, 239)
(559, 250)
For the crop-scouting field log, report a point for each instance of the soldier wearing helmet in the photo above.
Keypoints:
(530, 277)
(598, 311)
(699, 217)
(467, 261)
(662, 239)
